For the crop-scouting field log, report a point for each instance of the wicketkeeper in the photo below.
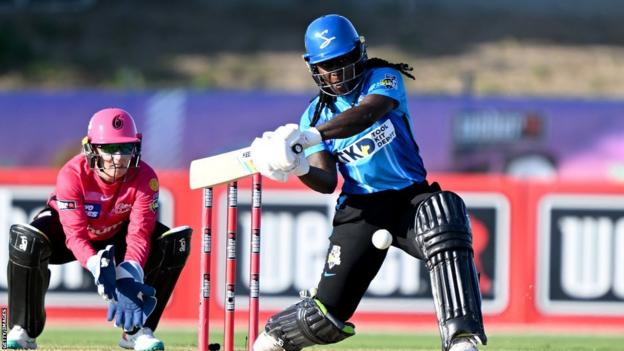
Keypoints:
(103, 214)
(360, 126)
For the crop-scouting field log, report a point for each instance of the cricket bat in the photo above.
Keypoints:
(223, 168)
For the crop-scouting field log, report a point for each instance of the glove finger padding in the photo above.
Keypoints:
(112, 310)
(135, 300)
(102, 267)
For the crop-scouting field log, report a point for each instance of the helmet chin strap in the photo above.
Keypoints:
(102, 171)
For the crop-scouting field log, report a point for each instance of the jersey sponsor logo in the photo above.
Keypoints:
(369, 144)
(104, 230)
(121, 208)
(106, 198)
(153, 184)
(66, 205)
(327, 274)
(326, 40)
(333, 259)
(389, 81)
(92, 210)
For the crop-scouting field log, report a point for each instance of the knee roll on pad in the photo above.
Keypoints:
(28, 246)
(28, 277)
(443, 233)
(307, 323)
(176, 246)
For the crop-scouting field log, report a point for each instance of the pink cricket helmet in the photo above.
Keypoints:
(112, 126)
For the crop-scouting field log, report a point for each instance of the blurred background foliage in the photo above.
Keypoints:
(530, 47)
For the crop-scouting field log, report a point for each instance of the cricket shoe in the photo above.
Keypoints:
(143, 340)
(18, 339)
(464, 343)
(265, 342)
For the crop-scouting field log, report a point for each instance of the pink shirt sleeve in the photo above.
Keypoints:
(70, 205)
(142, 216)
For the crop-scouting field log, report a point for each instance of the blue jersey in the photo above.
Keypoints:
(385, 155)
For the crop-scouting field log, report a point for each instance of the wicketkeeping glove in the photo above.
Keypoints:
(135, 300)
(102, 266)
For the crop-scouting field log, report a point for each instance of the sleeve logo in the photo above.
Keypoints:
(389, 82)
(65, 205)
(153, 184)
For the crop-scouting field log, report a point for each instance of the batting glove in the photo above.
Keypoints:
(102, 266)
(310, 137)
(135, 300)
(281, 156)
(261, 149)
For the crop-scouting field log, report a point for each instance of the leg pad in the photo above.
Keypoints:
(443, 234)
(307, 323)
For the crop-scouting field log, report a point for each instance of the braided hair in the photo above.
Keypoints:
(326, 100)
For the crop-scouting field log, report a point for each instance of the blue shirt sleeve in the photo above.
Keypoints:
(387, 82)
(304, 124)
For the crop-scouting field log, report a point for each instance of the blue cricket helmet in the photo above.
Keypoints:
(333, 44)
(328, 37)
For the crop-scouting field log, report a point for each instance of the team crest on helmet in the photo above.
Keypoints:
(333, 259)
(118, 122)
(327, 40)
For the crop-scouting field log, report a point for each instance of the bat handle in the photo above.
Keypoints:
(297, 148)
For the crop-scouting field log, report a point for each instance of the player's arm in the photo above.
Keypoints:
(142, 218)
(274, 158)
(322, 176)
(70, 205)
(357, 118)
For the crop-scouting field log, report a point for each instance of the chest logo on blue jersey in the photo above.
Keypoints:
(93, 210)
(369, 144)
(389, 81)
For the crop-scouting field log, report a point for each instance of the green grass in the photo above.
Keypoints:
(59, 338)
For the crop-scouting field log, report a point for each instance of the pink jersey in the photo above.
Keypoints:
(92, 210)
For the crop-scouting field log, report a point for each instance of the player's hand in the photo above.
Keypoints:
(303, 167)
(310, 137)
(135, 300)
(275, 156)
(261, 149)
(102, 266)
(282, 157)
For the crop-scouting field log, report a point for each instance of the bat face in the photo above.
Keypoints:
(222, 168)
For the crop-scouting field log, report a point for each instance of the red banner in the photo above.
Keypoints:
(548, 253)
